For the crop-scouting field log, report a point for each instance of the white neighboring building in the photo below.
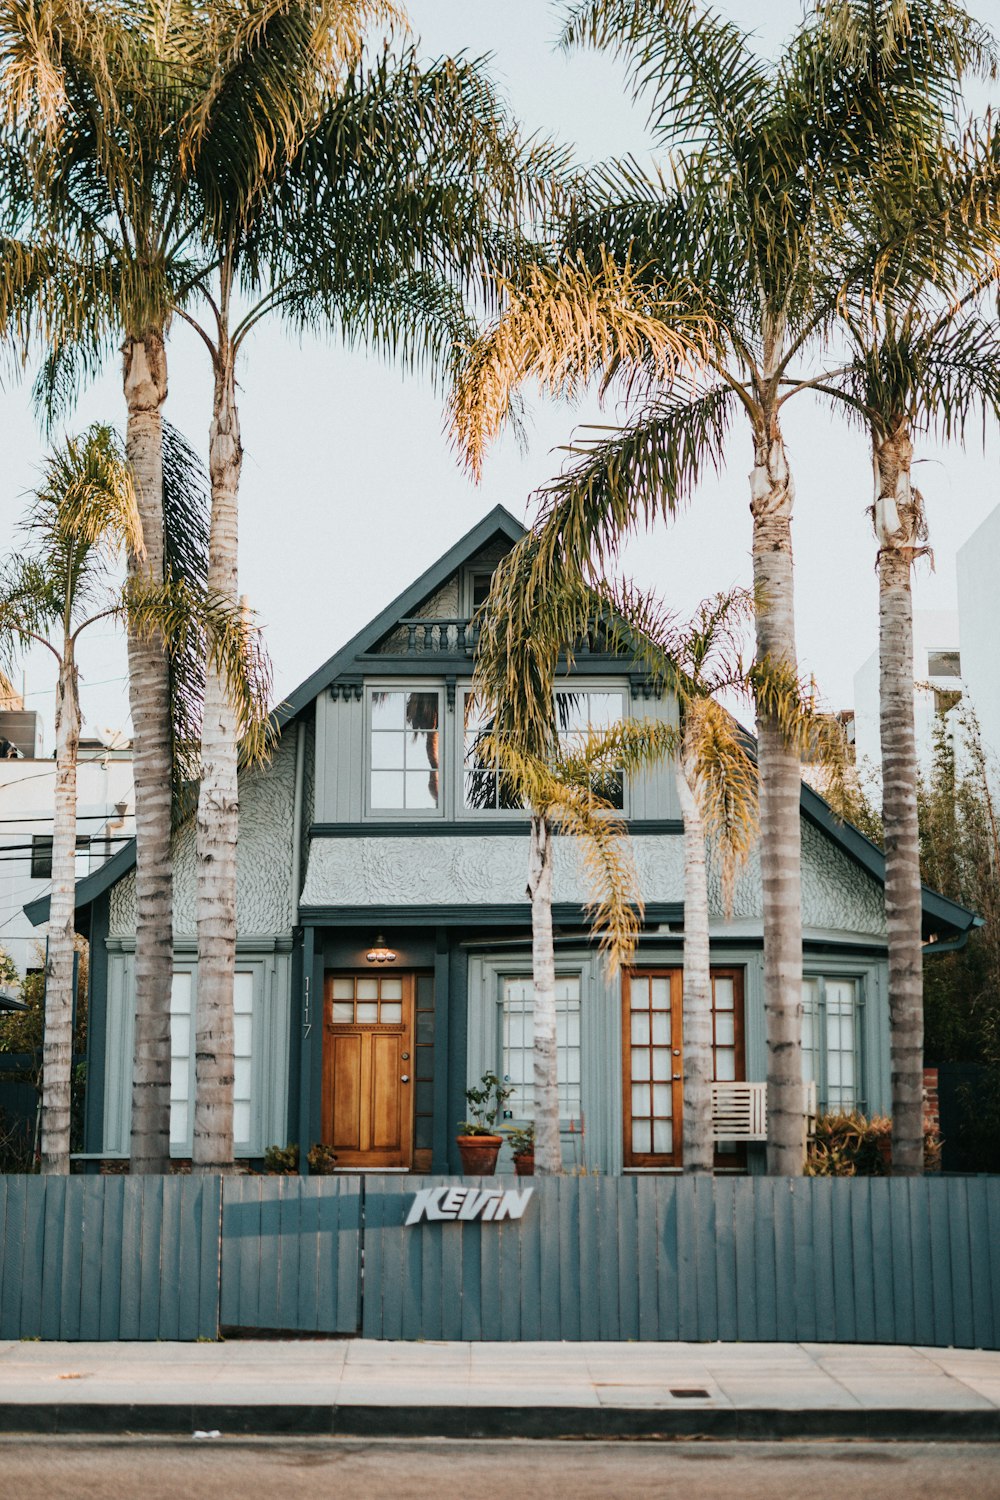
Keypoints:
(977, 566)
(937, 670)
(106, 809)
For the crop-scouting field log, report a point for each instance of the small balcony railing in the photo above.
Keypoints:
(445, 637)
(739, 1111)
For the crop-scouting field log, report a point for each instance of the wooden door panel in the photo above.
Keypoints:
(367, 1109)
(346, 1092)
(386, 1091)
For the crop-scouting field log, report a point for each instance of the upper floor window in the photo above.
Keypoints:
(486, 788)
(405, 750)
(582, 713)
(578, 714)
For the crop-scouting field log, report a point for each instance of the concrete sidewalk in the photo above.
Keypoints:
(362, 1387)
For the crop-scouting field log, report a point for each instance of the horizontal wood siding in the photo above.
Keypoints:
(109, 1257)
(291, 1254)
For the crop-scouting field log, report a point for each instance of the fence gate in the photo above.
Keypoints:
(291, 1254)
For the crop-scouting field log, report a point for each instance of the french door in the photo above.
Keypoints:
(653, 1058)
(368, 1069)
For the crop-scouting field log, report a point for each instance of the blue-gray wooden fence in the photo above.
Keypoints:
(828, 1260)
(291, 1254)
(861, 1260)
(109, 1257)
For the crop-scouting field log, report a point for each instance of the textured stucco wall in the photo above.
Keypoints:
(263, 858)
(414, 870)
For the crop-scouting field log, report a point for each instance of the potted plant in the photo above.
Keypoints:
(522, 1143)
(478, 1144)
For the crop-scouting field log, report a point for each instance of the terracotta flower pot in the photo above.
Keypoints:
(479, 1154)
(524, 1165)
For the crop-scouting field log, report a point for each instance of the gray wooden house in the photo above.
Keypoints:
(375, 832)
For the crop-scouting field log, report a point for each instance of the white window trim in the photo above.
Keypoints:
(447, 731)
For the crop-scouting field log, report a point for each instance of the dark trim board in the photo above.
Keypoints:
(489, 827)
(461, 914)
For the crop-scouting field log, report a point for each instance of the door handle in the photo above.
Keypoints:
(677, 1075)
(405, 1078)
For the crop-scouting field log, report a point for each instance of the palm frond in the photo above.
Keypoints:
(566, 323)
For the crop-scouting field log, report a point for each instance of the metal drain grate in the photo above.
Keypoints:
(688, 1393)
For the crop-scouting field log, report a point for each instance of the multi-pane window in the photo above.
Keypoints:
(405, 751)
(582, 714)
(517, 1045)
(182, 1024)
(724, 1026)
(486, 787)
(650, 1064)
(830, 1051)
(367, 1000)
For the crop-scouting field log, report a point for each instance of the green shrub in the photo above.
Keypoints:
(322, 1160)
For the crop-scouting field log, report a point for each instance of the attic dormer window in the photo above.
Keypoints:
(405, 742)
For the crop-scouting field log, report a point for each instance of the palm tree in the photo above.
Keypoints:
(83, 513)
(90, 97)
(740, 252)
(373, 200)
(567, 787)
(919, 368)
(83, 518)
(201, 152)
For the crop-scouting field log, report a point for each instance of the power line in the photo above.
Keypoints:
(80, 818)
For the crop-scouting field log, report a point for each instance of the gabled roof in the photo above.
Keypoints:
(498, 523)
(939, 912)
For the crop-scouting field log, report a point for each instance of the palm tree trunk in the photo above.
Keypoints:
(57, 1050)
(218, 810)
(772, 494)
(899, 527)
(145, 379)
(697, 1138)
(548, 1146)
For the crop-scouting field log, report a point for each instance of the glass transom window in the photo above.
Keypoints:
(405, 751)
(581, 714)
(518, 1039)
(367, 1000)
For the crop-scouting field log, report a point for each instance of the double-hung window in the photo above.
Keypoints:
(405, 746)
(831, 1041)
(485, 787)
(581, 714)
(182, 1024)
(517, 1040)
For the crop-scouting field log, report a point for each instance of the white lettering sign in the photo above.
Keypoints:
(444, 1203)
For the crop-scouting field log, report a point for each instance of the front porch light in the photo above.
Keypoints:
(380, 953)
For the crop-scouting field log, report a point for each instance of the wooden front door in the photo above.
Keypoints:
(653, 1059)
(368, 1069)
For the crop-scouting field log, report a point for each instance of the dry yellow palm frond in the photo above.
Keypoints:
(41, 43)
(723, 777)
(562, 326)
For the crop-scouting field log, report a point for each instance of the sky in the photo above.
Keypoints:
(350, 488)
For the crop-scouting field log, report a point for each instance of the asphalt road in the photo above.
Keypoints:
(246, 1469)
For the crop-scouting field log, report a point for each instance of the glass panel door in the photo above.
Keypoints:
(653, 1086)
(652, 1057)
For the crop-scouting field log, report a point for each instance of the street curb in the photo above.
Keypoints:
(759, 1424)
